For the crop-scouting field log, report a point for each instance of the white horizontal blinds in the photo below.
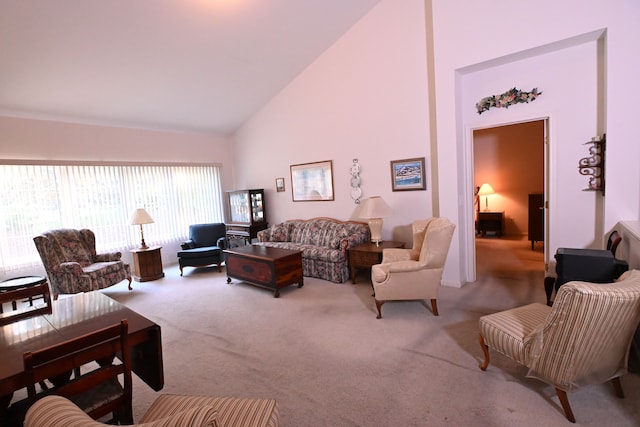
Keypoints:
(36, 198)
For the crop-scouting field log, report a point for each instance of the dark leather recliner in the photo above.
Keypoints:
(204, 247)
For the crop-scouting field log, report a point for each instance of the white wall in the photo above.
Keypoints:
(468, 34)
(364, 98)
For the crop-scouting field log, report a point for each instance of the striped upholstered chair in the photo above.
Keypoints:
(583, 339)
(166, 411)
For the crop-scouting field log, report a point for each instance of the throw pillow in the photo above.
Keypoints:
(280, 232)
(188, 245)
(339, 237)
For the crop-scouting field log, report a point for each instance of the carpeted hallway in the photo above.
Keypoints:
(320, 351)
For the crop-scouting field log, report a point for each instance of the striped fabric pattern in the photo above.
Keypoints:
(510, 332)
(584, 339)
(57, 411)
(231, 411)
(587, 338)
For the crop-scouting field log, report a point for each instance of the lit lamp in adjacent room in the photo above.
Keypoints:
(486, 190)
(374, 209)
(139, 217)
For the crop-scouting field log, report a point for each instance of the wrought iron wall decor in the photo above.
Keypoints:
(510, 97)
(593, 165)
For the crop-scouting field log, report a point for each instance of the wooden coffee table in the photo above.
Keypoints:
(271, 268)
(368, 254)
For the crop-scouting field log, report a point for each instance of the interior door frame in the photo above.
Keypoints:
(469, 210)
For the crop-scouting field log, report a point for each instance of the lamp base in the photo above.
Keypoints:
(375, 225)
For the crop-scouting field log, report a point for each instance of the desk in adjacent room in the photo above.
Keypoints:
(490, 222)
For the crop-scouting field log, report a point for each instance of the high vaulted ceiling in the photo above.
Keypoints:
(200, 65)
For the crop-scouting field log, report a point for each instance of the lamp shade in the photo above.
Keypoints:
(140, 216)
(373, 207)
(485, 190)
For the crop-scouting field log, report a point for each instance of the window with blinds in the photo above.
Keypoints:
(36, 198)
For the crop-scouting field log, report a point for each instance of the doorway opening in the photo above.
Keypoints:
(511, 161)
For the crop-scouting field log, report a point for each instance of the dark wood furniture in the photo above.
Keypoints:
(18, 297)
(18, 283)
(271, 268)
(536, 218)
(98, 391)
(247, 215)
(368, 254)
(147, 264)
(490, 222)
(72, 317)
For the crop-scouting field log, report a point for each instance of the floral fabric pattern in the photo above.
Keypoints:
(72, 264)
(323, 242)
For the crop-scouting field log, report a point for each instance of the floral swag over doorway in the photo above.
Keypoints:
(510, 97)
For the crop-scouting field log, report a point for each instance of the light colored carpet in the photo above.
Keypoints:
(321, 352)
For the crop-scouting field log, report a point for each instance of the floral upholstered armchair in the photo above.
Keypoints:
(72, 264)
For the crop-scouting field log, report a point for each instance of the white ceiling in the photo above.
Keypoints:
(200, 65)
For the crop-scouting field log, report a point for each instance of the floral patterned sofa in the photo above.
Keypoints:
(323, 242)
(72, 264)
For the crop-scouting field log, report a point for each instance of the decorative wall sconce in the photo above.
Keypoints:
(593, 166)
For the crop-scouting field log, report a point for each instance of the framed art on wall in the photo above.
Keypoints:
(279, 185)
(312, 181)
(408, 174)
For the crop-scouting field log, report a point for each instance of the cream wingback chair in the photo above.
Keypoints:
(416, 273)
(583, 339)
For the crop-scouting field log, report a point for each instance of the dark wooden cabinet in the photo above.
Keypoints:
(147, 264)
(536, 218)
(247, 214)
(490, 222)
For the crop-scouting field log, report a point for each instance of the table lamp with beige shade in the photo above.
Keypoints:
(139, 217)
(374, 209)
(486, 190)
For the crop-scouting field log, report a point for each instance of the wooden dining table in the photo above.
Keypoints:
(71, 317)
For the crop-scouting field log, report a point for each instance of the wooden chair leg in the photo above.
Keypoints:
(434, 307)
(617, 387)
(485, 350)
(379, 307)
(564, 401)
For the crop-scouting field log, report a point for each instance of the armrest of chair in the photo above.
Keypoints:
(109, 256)
(395, 255)
(70, 268)
(380, 272)
(222, 243)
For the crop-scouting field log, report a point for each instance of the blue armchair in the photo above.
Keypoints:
(204, 247)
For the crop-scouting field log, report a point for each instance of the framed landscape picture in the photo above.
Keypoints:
(312, 181)
(408, 174)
